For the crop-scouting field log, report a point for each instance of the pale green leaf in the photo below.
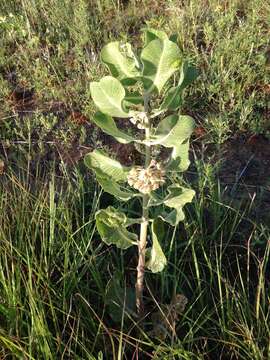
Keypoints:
(108, 173)
(106, 167)
(107, 124)
(178, 196)
(157, 260)
(174, 132)
(173, 97)
(176, 199)
(121, 60)
(108, 95)
(133, 98)
(179, 159)
(113, 188)
(111, 225)
(160, 58)
(153, 34)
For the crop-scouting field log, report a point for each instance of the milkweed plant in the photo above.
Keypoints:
(138, 90)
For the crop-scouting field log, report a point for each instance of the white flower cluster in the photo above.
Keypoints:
(140, 119)
(147, 180)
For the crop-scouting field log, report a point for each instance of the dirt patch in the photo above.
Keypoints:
(245, 171)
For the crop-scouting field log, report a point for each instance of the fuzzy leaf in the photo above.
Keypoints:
(107, 124)
(121, 60)
(108, 95)
(160, 58)
(111, 225)
(177, 198)
(104, 166)
(132, 99)
(173, 97)
(179, 159)
(153, 34)
(108, 173)
(157, 260)
(113, 188)
(174, 131)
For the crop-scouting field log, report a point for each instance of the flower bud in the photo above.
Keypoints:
(140, 119)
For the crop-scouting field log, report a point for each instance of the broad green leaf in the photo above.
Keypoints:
(153, 34)
(111, 225)
(107, 124)
(106, 167)
(108, 95)
(173, 130)
(179, 159)
(173, 97)
(160, 58)
(113, 188)
(108, 173)
(177, 198)
(157, 260)
(121, 60)
(132, 99)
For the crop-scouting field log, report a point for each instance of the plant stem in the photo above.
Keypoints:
(144, 225)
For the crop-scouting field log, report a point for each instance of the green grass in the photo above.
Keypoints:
(56, 277)
(53, 47)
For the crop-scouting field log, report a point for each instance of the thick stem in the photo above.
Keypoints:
(144, 226)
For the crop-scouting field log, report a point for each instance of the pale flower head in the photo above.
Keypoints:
(147, 180)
